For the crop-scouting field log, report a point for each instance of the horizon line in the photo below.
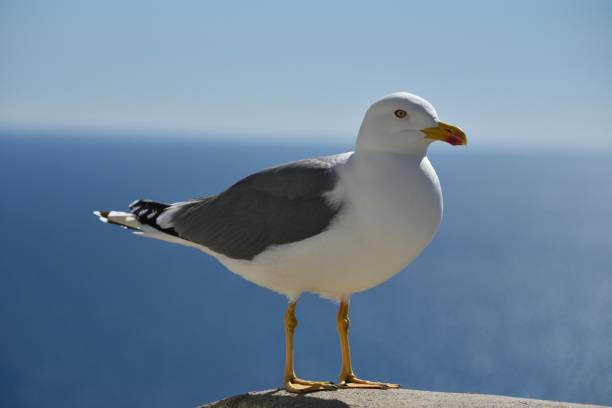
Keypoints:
(256, 137)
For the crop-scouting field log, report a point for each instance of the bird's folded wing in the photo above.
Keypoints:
(275, 206)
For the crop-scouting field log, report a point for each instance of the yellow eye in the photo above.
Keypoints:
(400, 113)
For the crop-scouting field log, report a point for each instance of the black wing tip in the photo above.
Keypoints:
(147, 211)
(149, 204)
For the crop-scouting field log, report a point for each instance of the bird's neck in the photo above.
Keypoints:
(405, 143)
(376, 159)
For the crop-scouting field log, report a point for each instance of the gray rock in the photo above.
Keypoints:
(379, 399)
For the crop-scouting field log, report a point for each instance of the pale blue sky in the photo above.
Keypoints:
(512, 73)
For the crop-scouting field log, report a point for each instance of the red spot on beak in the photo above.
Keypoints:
(455, 140)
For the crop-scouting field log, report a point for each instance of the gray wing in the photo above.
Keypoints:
(276, 206)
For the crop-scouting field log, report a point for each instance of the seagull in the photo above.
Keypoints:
(332, 225)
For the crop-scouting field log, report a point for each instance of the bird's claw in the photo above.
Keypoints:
(299, 386)
(354, 382)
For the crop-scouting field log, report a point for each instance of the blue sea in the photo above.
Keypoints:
(513, 297)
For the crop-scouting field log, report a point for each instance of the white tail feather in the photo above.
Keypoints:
(121, 218)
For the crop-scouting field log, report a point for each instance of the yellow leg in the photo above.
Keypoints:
(347, 378)
(291, 382)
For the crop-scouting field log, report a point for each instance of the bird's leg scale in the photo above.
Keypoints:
(347, 378)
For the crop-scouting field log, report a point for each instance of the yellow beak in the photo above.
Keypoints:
(447, 133)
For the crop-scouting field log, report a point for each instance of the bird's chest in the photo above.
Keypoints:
(395, 204)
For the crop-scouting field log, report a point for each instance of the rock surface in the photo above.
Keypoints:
(379, 399)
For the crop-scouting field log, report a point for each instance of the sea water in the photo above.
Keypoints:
(513, 296)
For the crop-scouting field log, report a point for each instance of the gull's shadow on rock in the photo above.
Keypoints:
(271, 399)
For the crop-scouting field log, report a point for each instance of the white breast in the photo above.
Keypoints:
(392, 206)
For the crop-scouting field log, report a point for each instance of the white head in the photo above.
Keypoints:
(404, 123)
